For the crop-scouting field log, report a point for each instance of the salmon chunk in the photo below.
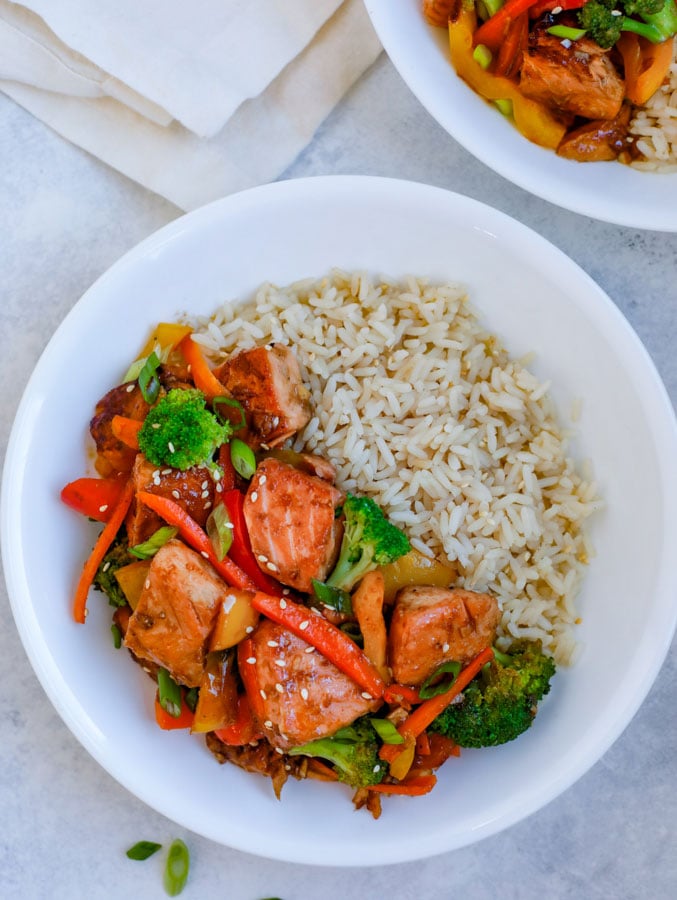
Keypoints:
(175, 613)
(300, 696)
(267, 382)
(291, 519)
(193, 489)
(431, 625)
(124, 400)
(580, 79)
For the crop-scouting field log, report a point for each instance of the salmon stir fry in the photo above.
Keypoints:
(567, 73)
(287, 620)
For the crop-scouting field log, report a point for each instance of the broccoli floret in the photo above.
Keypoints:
(604, 20)
(353, 751)
(501, 702)
(369, 540)
(105, 580)
(181, 432)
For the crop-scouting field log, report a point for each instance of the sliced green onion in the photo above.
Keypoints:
(169, 693)
(234, 404)
(482, 56)
(385, 729)
(352, 629)
(505, 106)
(435, 684)
(220, 530)
(242, 457)
(158, 539)
(190, 698)
(333, 597)
(117, 636)
(566, 31)
(176, 868)
(133, 371)
(148, 379)
(143, 849)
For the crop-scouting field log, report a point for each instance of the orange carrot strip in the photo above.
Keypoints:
(423, 744)
(399, 694)
(645, 65)
(192, 534)
(126, 430)
(412, 787)
(104, 541)
(325, 637)
(204, 378)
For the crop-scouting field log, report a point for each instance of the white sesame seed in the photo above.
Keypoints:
(304, 625)
(445, 648)
(204, 553)
(103, 508)
(376, 768)
(254, 497)
(252, 660)
(279, 688)
(285, 591)
(566, 43)
(287, 767)
(262, 479)
(204, 495)
(216, 475)
(205, 484)
(130, 387)
(264, 696)
(267, 724)
(557, 10)
(171, 447)
(367, 695)
(273, 644)
(304, 693)
(272, 567)
(219, 488)
(262, 558)
(228, 525)
(147, 583)
(309, 650)
(281, 752)
(176, 494)
(156, 481)
(208, 504)
(283, 604)
(156, 473)
(155, 425)
(249, 629)
(166, 471)
(280, 662)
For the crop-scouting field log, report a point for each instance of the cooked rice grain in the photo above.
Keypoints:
(422, 409)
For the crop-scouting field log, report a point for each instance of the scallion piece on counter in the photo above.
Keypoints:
(176, 868)
(435, 684)
(234, 404)
(158, 539)
(148, 379)
(169, 693)
(242, 457)
(143, 849)
(220, 530)
(385, 729)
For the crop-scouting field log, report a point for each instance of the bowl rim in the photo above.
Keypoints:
(289, 191)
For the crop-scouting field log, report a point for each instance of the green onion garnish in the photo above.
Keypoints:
(242, 457)
(566, 31)
(333, 597)
(117, 636)
(234, 404)
(435, 684)
(158, 539)
(143, 849)
(190, 698)
(148, 379)
(176, 868)
(220, 530)
(505, 106)
(385, 729)
(482, 56)
(169, 693)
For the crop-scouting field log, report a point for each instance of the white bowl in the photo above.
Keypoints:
(609, 191)
(531, 295)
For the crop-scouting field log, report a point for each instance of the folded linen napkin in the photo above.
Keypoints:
(191, 100)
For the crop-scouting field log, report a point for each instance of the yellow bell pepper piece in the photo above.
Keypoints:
(166, 336)
(534, 120)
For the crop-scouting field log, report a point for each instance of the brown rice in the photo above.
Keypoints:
(422, 409)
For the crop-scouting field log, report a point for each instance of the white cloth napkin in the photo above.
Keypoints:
(193, 100)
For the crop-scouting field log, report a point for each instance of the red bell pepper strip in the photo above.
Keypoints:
(229, 477)
(492, 32)
(204, 378)
(331, 642)
(243, 730)
(241, 549)
(414, 786)
(169, 723)
(104, 541)
(94, 497)
(126, 430)
(194, 536)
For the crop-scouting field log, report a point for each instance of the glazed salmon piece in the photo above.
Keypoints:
(580, 79)
(267, 382)
(192, 489)
(175, 613)
(291, 520)
(431, 625)
(123, 400)
(299, 695)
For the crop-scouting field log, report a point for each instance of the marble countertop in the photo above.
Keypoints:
(65, 823)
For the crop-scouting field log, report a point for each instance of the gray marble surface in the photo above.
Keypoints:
(64, 219)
